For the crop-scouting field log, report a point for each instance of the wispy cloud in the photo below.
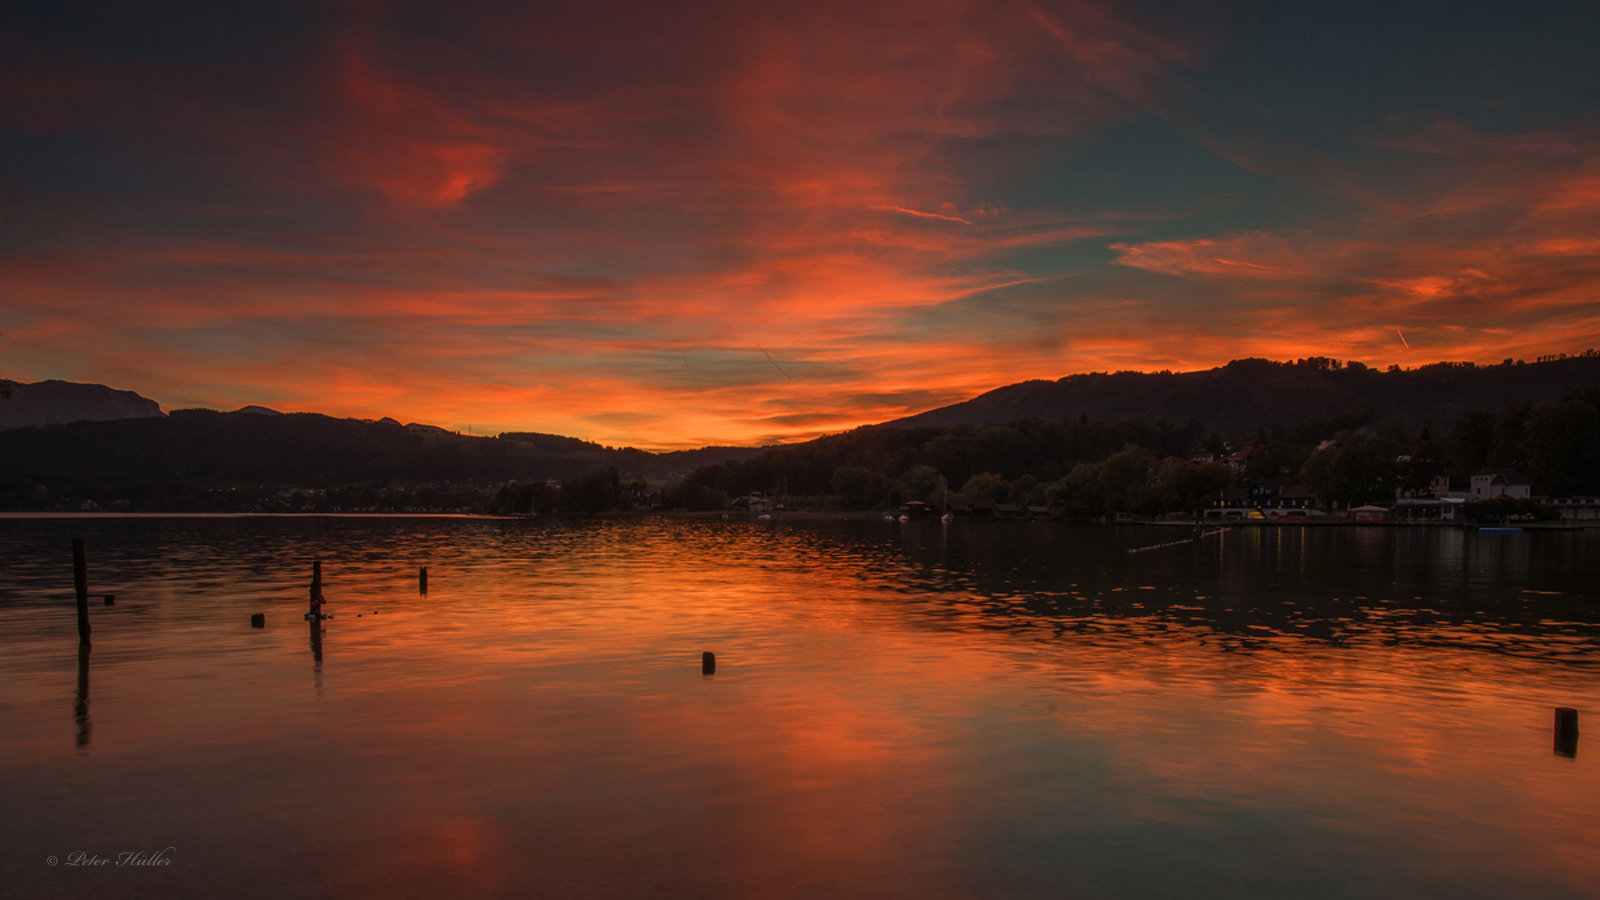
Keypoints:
(758, 222)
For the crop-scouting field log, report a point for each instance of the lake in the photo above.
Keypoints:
(911, 710)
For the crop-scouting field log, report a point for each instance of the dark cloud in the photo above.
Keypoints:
(537, 214)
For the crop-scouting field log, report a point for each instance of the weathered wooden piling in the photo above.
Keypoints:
(1566, 732)
(708, 663)
(316, 590)
(111, 599)
(80, 577)
(80, 706)
(258, 620)
(422, 580)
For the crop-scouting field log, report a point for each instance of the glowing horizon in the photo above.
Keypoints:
(676, 228)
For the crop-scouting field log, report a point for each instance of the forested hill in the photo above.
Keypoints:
(1249, 394)
(205, 446)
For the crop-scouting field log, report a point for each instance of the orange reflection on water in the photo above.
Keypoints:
(895, 711)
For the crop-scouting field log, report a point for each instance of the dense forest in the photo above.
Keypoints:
(1348, 459)
(208, 461)
(1248, 394)
(307, 449)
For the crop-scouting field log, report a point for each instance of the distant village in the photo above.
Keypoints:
(1277, 500)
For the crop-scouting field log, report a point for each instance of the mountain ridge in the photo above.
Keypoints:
(252, 445)
(1246, 395)
(208, 446)
(55, 402)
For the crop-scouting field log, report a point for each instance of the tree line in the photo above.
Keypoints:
(1115, 466)
(1110, 466)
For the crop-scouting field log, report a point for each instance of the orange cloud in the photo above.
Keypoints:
(605, 224)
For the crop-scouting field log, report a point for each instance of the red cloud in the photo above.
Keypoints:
(604, 222)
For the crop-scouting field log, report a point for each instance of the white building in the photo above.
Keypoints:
(1576, 507)
(1500, 483)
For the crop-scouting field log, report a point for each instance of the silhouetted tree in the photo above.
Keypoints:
(859, 487)
(1425, 465)
(1563, 445)
(1123, 474)
(1472, 441)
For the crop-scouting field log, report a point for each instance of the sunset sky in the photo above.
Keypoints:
(672, 224)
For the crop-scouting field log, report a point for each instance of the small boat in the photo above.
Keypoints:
(763, 518)
(946, 517)
(1498, 530)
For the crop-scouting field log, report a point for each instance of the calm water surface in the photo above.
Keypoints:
(899, 710)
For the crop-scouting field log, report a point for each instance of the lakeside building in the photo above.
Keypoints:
(1435, 508)
(1270, 499)
(981, 508)
(1500, 483)
(1074, 510)
(755, 503)
(1438, 487)
(1228, 503)
(1239, 459)
(1578, 508)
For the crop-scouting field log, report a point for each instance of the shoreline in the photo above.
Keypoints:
(804, 516)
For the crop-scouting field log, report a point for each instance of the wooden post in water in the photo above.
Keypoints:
(422, 580)
(708, 663)
(316, 589)
(80, 576)
(1566, 732)
(80, 706)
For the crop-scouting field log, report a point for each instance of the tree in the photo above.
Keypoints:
(1318, 473)
(1563, 445)
(920, 483)
(694, 496)
(1503, 508)
(1082, 483)
(1276, 459)
(1122, 474)
(1510, 449)
(523, 498)
(859, 487)
(591, 493)
(1425, 465)
(1023, 490)
(1472, 441)
(1356, 472)
(1005, 448)
(985, 485)
(1182, 485)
